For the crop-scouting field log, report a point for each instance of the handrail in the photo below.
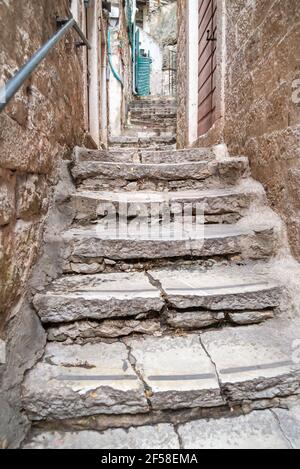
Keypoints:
(8, 91)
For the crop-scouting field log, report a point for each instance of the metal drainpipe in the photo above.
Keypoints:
(110, 60)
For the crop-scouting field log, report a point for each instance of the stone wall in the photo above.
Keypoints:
(262, 106)
(37, 130)
(182, 85)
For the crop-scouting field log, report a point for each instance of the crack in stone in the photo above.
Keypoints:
(157, 284)
(224, 397)
(176, 430)
(132, 360)
(290, 444)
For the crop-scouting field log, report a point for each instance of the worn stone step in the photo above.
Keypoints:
(158, 125)
(267, 429)
(215, 369)
(159, 102)
(232, 290)
(141, 142)
(142, 131)
(218, 205)
(152, 116)
(177, 156)
(161, 436)
(104, 296)
(161, 176)
(135, 242)
(234, 294)
(146, 156)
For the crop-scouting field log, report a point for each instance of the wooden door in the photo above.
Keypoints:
(207, 65)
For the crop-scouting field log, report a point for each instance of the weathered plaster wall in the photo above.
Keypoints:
(182, 73)
(160, 26)
(262, 119)
(161, 22)
(118, 96)
(37, 130)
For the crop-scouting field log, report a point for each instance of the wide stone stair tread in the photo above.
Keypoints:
(208, 370)
(175, 240)
(121, 295)
(194, 170)
(89, 205)
(98, 297)
(233, 288)
(142, 141)
(144, 155)
(267, 429)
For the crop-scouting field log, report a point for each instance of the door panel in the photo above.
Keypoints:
(207, 64)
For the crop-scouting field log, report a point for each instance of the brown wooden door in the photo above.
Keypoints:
(207, 65)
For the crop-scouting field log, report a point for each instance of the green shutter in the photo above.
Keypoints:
(143, 75)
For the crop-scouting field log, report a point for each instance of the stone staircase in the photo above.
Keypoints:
(151, 122)
(153, 331)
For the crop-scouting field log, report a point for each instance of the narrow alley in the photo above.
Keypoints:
(152, 298)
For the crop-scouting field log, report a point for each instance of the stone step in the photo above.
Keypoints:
(218, 205)
(78, 297)
(142, 131)
(177, 156)
(149, 155)
(150, 123)
(141, 142)
(184, 175)
(267, 429)
(234, 366)
(159, 102)
(229, 290)
(152, 115)
(136, 242)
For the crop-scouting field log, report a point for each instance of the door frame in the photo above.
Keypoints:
(215, 133)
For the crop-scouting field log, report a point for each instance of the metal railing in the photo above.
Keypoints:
(9, 89)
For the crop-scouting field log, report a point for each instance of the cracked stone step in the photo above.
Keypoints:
(72, 298)
(258, 430)
(177, 371)
(256, 363)
(276, 429)
(209, 370)
(162, 436)
(251, 364)
(229, 170)
(289, 421)
(237, 289)
(75, 381)
(138, 243)
(215, 203)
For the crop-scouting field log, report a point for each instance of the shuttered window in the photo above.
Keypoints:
(207, 65)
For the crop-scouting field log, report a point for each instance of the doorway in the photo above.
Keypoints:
(207, 64)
